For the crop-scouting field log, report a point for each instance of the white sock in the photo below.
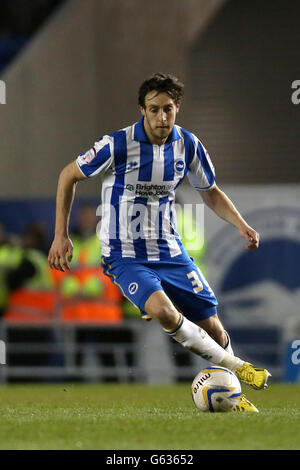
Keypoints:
(233, 362)
(228, 347)
(199, 342)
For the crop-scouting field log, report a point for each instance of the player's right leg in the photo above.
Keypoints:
(142, 286)
(159, 307)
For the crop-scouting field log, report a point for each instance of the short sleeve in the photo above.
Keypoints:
(97, 159)
(201, 170)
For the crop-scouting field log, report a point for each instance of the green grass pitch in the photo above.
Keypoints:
(136, 417)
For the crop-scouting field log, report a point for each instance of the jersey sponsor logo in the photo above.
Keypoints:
(179, 166)
(133, 287)
(147, 190)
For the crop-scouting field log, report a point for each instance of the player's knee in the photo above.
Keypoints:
(165, 315)
(159, 307)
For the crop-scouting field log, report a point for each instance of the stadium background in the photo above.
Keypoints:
(72, 70)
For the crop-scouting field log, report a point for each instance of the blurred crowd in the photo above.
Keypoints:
(31, 291)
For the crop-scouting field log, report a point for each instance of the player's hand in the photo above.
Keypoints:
(251, 236)
(60, 248)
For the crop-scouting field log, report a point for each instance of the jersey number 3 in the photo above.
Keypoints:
(193, 275)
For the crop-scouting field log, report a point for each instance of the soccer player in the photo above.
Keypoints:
(141, 166)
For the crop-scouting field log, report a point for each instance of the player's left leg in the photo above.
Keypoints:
(213, 326)
(215, 329)
(189, 291)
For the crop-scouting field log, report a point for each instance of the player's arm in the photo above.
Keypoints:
(217, 200)
(62, 245)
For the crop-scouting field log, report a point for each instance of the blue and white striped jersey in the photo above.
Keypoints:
(138, 189)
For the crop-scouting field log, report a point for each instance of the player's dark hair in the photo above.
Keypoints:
(161, 83)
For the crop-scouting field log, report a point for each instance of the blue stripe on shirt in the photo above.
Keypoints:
(139, 242)
(101, 157)
(172, 219)
(161, 242)
(120, 158)
(168, 162)
(146, 162)
(189, 151)
(209, 173)
(189, 146)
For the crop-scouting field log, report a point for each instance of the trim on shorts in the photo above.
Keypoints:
(204, 313)
(112, 276)
(172, 332)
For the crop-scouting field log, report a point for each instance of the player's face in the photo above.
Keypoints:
(160, 114)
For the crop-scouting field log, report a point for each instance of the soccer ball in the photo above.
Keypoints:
(216, 389)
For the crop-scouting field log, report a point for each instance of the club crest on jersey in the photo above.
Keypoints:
(179, 166)
(133, 287)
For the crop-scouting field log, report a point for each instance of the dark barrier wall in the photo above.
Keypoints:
(78, 79)
(17, 213)
(240, 76)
